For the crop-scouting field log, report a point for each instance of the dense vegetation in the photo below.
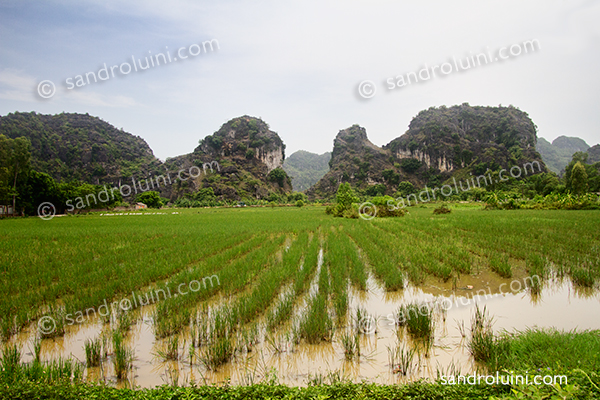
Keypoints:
(581, 388)
(306, 168)
(80, 147)
(27, 189)
(63, 159)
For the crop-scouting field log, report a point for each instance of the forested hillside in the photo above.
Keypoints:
(559, 153)
(306, 168)
(81, 147)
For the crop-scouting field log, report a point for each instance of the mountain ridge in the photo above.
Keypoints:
(440, 143)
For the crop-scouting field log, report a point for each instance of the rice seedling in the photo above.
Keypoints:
(122, 355)
(172, 375)
(451, 370)
(330, 378)
(282, 311)
(461, 328)
(583, 275)
(52, 324)
(10, 362)
(501, 266)
(484, 346)
(170, 352)
(381, 255)
(418, 320)
(217, 354)
(281, 342)
(351, 344)
(268, 266)
(191, 353)
(37, 350)
(316, 324)
(401, 359)
(62, 370)
(249, 338)
(93, 352)
(480, 321)
(124, 321)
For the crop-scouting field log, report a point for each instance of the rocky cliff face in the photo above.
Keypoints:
(354, 159)
(439, 144)
(450, 138)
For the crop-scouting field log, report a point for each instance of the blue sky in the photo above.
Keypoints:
(298, 64)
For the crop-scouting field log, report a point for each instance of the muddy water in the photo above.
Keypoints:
(559, 305)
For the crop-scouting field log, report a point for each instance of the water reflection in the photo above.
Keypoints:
(556, 302)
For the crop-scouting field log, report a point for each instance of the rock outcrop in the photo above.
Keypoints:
(440, 143)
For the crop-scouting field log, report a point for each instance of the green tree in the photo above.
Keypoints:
(278, 175)
(37, 189)
(405, 188)
(376, 190)
(578, 179)
(345, 196)
(15, 156)
(410, 165)
(390, 176)
(151, 199)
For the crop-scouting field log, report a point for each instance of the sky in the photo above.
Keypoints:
(308, 68)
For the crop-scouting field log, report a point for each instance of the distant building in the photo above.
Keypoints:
(6, 210)
(139, 206)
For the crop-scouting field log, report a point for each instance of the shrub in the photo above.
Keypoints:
(405, 188)
(345, 196)
(443, 209)
(279, 176)
(376, 190)
(410, 165)
(384, 210)
(299, 203)
(151, 199)
(351, 212)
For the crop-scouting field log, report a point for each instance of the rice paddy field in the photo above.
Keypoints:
(248, 295)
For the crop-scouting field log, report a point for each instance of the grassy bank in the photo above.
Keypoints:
(580, 387)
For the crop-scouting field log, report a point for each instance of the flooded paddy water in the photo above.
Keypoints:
(278, 355)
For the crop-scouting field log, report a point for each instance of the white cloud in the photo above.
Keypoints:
(16, 85)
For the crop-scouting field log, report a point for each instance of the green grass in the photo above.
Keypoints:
(543, 349)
